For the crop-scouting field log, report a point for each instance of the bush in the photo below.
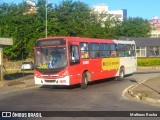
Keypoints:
(148, 61)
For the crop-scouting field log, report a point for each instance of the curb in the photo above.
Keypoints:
(157, 68)
(140, 96)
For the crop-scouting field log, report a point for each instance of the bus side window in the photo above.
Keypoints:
(84, 50)
(113, 52)
(120, 50)
(128, 49)
(94, 50)
(104, 50)
(133, 50)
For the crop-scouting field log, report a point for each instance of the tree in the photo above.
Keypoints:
(23, 28)
(8, 26)
(70, 18)
(134, 27)
(77, 19)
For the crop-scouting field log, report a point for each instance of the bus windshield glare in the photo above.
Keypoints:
(50, 58)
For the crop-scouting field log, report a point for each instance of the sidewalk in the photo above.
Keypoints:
(26, 81)
(148, 90)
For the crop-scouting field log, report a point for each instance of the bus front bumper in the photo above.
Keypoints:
(58, 81)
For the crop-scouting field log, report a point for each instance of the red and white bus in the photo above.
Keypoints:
(75, 60)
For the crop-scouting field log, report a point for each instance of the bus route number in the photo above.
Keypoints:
(85, 62)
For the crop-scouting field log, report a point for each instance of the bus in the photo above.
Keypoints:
(75, 60)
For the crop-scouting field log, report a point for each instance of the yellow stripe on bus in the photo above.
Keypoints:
(110, 63)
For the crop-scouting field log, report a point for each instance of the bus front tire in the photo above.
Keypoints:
(84, 83)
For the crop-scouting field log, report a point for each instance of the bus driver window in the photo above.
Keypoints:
(74, 53)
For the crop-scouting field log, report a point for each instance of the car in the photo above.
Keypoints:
(27, 65)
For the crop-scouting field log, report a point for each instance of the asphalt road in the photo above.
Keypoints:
(101, 96)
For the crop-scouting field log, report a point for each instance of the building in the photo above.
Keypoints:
(119, 14)
(155, 24)
(32, 7)
(103, 8)
(100, 8)
(147, 47)
(155, 33)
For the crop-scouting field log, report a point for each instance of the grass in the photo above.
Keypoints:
(148, 61)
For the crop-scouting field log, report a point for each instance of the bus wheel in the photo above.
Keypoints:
(84, 83)
(121, 74)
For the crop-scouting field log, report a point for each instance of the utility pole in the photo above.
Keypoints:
(46, 18)
(1, 63)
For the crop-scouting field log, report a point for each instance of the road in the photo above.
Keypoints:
(101, 96)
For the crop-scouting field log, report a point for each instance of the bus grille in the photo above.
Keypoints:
(50, 81)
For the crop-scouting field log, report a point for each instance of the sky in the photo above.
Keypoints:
(146, 9)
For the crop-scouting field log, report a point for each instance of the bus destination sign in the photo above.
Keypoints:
(50, 42)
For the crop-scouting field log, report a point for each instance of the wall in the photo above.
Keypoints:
(12, 65)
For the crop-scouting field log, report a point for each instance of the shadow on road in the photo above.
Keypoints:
(59, 87)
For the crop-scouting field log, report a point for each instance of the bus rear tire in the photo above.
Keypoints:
(121, 74)
(84, 83)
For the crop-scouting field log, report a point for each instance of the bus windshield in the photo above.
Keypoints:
(50, 58)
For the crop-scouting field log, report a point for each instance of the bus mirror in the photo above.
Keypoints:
(73, 59)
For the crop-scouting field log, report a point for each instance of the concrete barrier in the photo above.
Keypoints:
(148, 68)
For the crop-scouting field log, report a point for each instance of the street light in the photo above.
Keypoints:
(46, 18)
